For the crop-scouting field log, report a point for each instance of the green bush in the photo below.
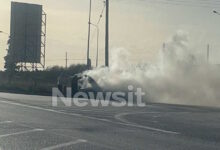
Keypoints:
(37, 82)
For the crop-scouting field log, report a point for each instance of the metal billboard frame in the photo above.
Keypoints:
(24, 66)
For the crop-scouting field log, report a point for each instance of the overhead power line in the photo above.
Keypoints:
(196, 3)
(54, 60)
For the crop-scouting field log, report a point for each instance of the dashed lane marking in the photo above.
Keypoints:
(5, 122)
(65, 144)
(20, 133)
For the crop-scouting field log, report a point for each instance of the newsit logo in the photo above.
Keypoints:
(96, 99)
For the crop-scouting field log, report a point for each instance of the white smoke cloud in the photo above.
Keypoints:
(177, 77)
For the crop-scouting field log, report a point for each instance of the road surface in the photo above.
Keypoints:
(31, 123)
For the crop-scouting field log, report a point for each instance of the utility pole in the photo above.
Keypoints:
(88, 48)
(163, 53)
(107, 35)
(66, 60)
(97, 53)
(208, 52)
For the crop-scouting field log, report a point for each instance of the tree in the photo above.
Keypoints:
(10, 65)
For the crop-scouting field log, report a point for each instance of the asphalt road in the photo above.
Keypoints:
(30, 122)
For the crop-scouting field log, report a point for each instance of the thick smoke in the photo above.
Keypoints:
(177, 77)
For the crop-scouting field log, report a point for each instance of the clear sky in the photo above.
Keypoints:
(140, 26)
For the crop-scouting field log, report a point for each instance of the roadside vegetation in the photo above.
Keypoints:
(37, 82)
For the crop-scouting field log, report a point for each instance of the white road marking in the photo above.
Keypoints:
(52, 110)
(121, 115)
(65, 144)
(88, 117)
(156, 116)
(5, 122)
(22, 132)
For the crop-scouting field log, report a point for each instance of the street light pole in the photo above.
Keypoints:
(4, 33)
(97, 53)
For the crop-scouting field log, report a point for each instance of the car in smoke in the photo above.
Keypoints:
(78, 83)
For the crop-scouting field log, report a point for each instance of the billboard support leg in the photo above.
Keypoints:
(43, 37)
